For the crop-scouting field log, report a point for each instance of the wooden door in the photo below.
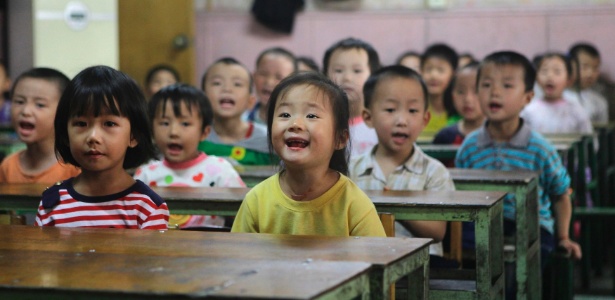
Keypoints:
(148, 29)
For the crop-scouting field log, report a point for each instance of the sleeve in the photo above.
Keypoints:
(460, 161)
(369, 225)
(40, 215)
(244, 220)
(555, 179)
(229, 176)
(439, 179)
(157, 219)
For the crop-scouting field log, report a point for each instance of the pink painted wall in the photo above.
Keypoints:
(479, 31)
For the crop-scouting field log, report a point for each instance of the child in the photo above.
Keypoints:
(5, 104)
(396, 106)
(438, 68)
(308, 129)
(35, 96)
(158, 77)
(349, 63)
(467, 104)
(586, 66)
(465, 59)
(305, 63)
(272, 65)
(410, 59)
(551, 113)
(181, 117)
(505, 87)
(228, 86)
(102, 127)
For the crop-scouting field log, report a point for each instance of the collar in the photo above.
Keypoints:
(356, 120)
(415, 164)
(185, 164)
(520, 139)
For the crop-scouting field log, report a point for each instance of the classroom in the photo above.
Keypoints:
(307, 149)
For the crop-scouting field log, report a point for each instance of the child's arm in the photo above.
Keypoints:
(562, 209)
(426, 229)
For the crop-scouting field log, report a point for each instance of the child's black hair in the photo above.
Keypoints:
(157, 68)
(408, 54)
(467, 55)
(447, 53)
(562, 56)
(353, 43)
(228, 61)
(583, 47)
(390, 72)
(51, 75)
(511, 58)
(178, 94)
(278, 51)
(339, 105)
(308, 61)
(98, 90)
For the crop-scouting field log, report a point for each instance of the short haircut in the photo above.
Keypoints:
(353, 43)
(339, 105)
(442, 51)
(228, 61)
(386, 73)
(583, 47)
(51, 75)
(559, 55)
(511, 58)
(308, 61)
(178, 94)
(408, 54)
(277, 51)
(157, 68)
(98, 90)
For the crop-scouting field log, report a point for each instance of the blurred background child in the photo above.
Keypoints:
(34, 98)
(349, 63)
(272, 65)
(305, 63)
(158, 77)
(181, 116)
(308, 129)
(410, 59)
(585, 60)
(550, 113)
(465, 59)
(228, 86)
(438, 68)
(102, 127)
(5, 102)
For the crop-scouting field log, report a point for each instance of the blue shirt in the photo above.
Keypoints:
(526, 150)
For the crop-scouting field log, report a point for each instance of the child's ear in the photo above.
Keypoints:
(527, 98)
(251, 101)
(205, 133)
(367, 118)
(133, 142)
(342, 141)
(426, 118)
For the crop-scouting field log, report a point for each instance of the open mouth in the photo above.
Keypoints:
(296, 143)
(495, 106)
(227, 102)
(175, 147)
(26, 125)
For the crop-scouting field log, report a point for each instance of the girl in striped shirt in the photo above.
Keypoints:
(101, 126)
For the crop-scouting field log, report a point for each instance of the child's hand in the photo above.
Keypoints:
(571, 247)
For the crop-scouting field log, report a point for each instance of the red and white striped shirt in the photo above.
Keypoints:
(137, 207)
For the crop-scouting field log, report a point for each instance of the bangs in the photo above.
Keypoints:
(176, 104)
(96, 103)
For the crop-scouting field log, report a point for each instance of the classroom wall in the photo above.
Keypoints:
(41, 35)
(528, 29)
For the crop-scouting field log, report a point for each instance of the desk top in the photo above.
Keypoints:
(440, 199)
(492, 176)
(378, 251)
(95, 274)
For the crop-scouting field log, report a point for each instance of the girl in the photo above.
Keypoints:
(158, 77)
(102, 127)
(438, 68)
(308, 128)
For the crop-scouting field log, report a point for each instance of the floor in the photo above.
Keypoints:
(601, 287)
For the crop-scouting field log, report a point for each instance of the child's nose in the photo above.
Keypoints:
(93, 135)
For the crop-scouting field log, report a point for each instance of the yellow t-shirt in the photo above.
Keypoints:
(344, 210)
(437, 122)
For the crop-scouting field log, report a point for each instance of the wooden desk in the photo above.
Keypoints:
(86, 275)
(391, 258)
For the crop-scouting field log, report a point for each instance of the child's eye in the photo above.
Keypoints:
(18, 101)
(508, 86)
(284, 115)
(78, 123)
(238, 84)
(413, 110)
(485, 84)
(389, 110)
(110, 124)
(311, 116)
(41, 105)
(337, 70)
(186, 124)
(163, 123)
(358, 71)
(216, 83)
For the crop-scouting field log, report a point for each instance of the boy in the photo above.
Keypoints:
(506, 142)
(349, 63)
(272, 65)
(228, 85)
(181, 116)
(396, 107)
(5, 104)
(35, 96)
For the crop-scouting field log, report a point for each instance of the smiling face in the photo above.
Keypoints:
(33, 109)
(398, 115)
(501, 92)
(178, 137)
(437, 73)
(349, 68)
(302, 131)
(552, 78)
(99, 144)
(271, 69)
(465, 98)
(228, 88)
